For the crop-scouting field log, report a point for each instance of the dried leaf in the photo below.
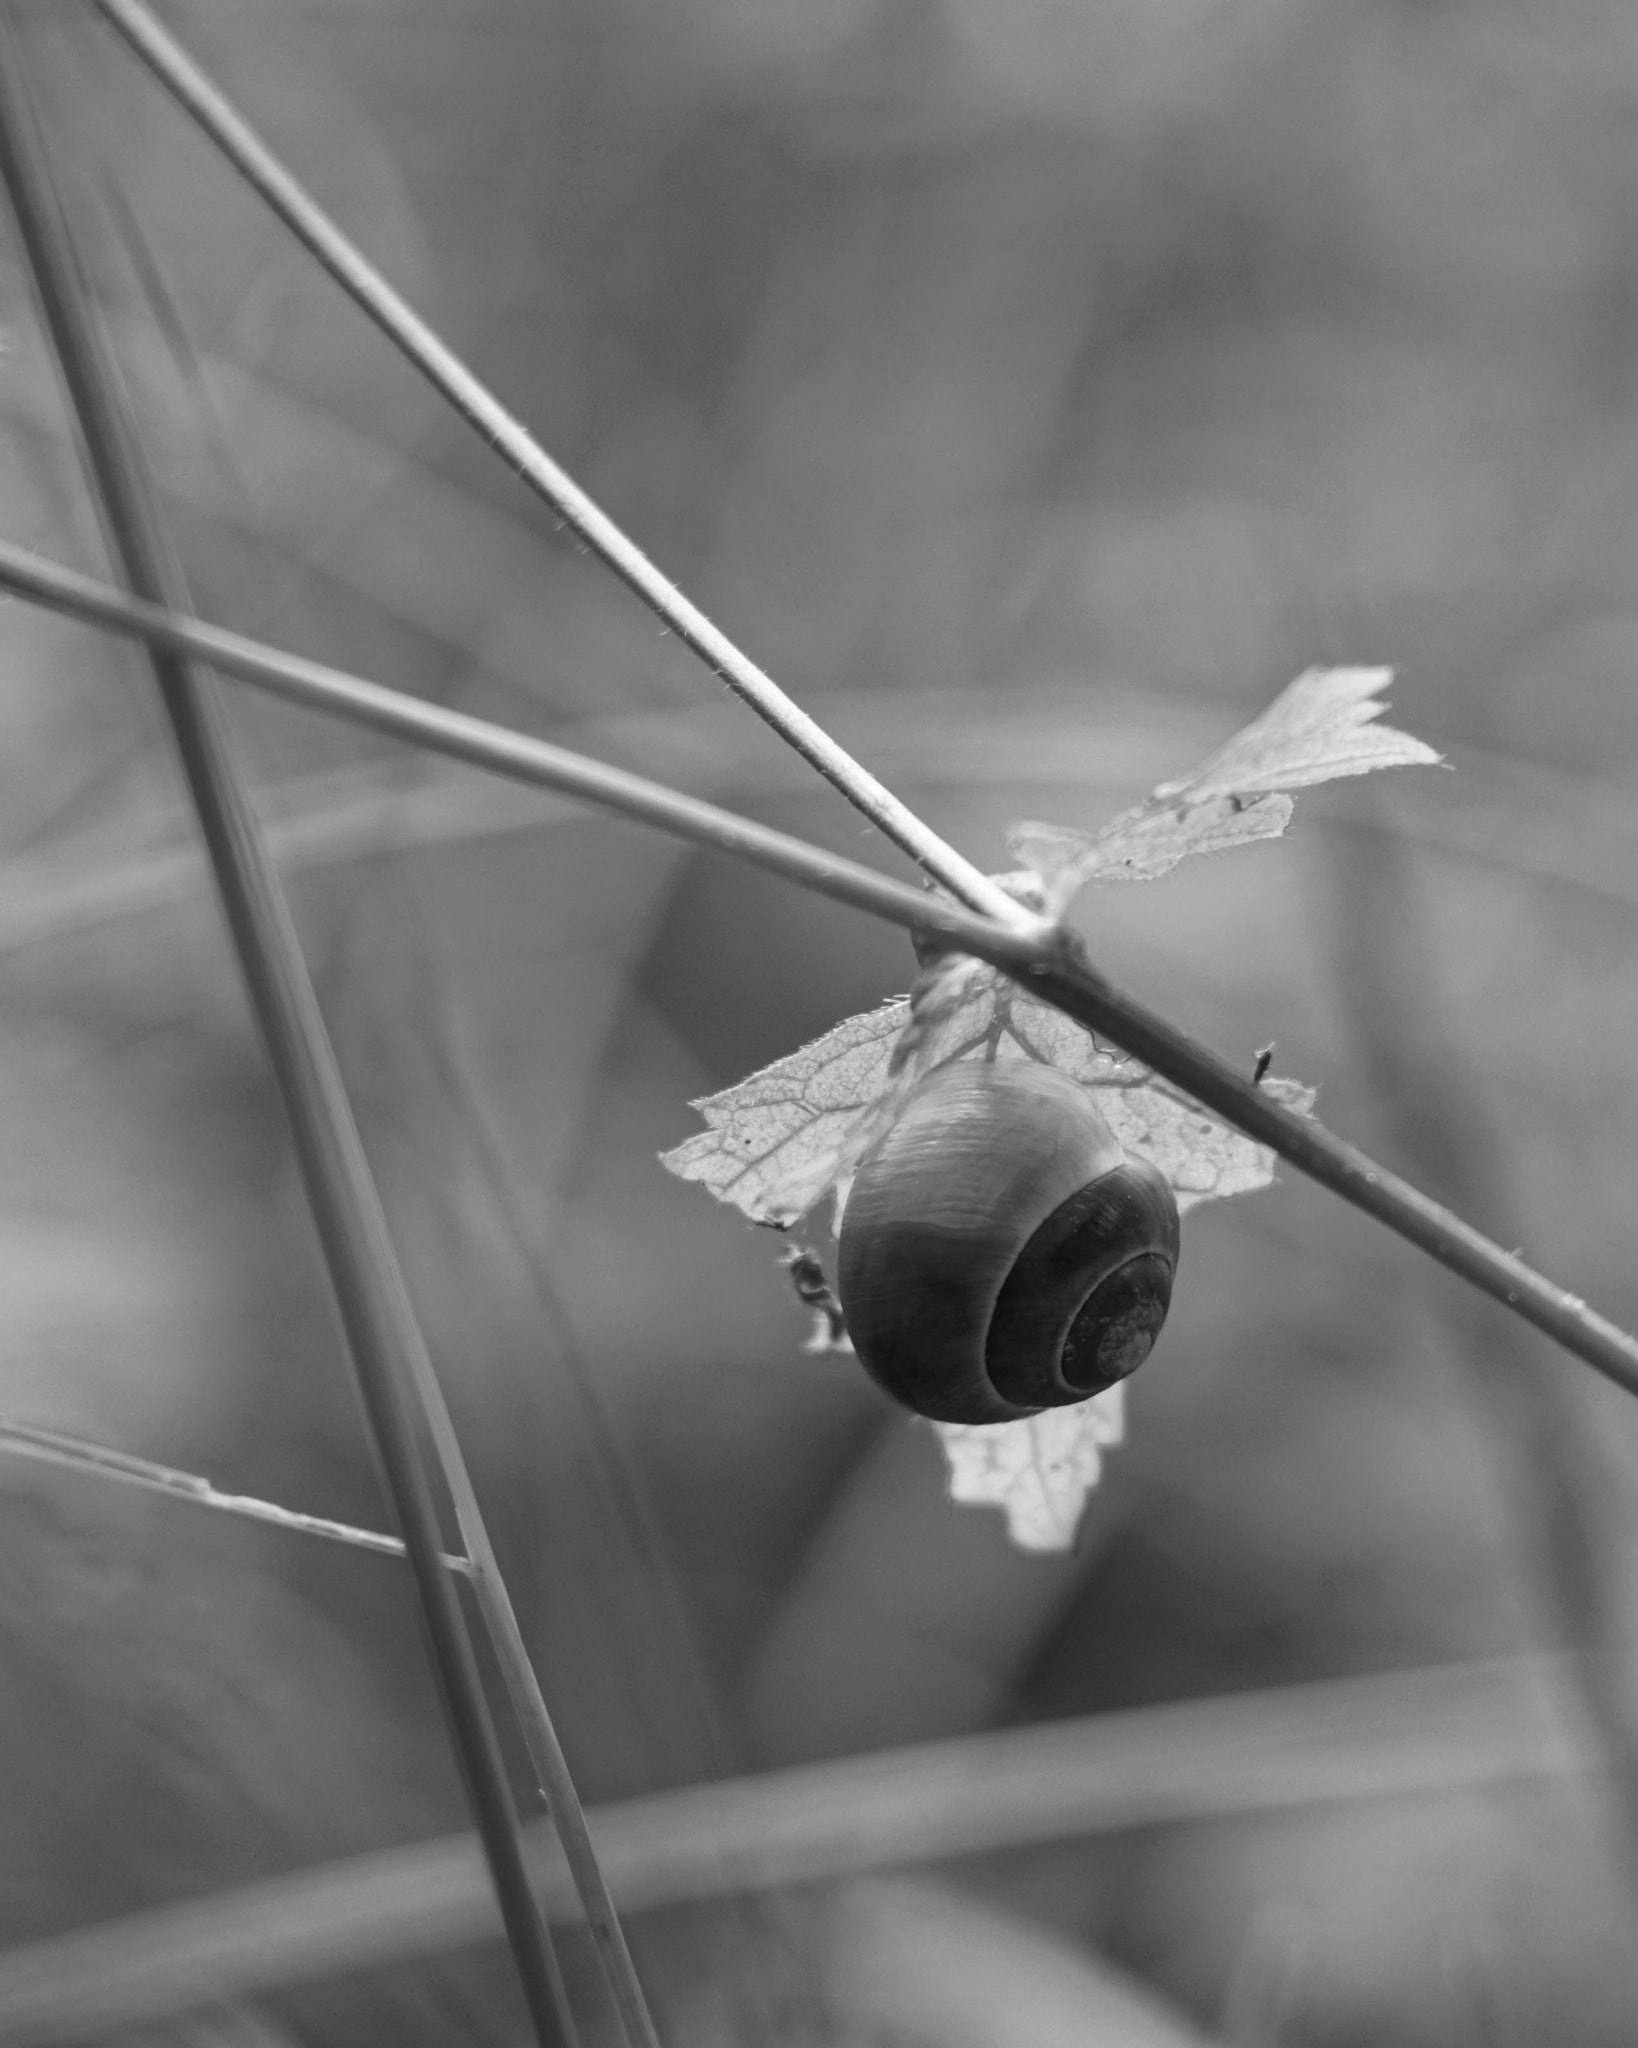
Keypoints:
(1321, 727)
(1202, 1158)
(1037, 1472)
(784, 1139)
(779, 1141)
(1143, 843)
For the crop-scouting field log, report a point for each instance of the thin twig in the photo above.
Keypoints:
(483, 744)
(95, 878)
(374, 1304)
(1051, 965)
(51, 1447)
(476, 404)
(1450, 1730)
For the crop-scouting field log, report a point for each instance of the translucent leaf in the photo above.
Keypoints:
(1037, 1472)
(779, 1141)
(967, 1010)
(1202, 1158)
(1321, 727)
(786, 1137)
(790, 1134)
(1144, 843)
(782, 1140)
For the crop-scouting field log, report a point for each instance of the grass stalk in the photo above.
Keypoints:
(382, 1335)
(97, 1461)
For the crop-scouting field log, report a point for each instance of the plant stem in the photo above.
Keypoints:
(479, 407)
(380, 1327)
(74, 1454)
(498, 749)
(1047, 960)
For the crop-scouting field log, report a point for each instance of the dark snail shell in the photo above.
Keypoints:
(999, 1252)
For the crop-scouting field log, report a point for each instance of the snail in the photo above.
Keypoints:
(1000, 1253)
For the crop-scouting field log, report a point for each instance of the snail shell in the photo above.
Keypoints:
(999, 1252)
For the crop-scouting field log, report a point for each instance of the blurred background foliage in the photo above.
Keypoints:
(1034, 389)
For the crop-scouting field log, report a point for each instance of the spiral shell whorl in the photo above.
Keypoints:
(999, 1252)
